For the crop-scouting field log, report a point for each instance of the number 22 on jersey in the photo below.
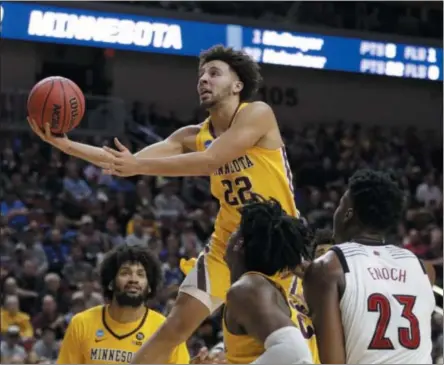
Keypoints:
(238, 191)
(408, 337)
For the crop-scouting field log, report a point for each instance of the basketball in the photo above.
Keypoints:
(58, 101)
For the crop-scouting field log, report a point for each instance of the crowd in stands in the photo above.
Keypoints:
(405, 18)
(60, 215)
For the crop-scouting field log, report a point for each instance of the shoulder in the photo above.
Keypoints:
(258, 108)
(155, 317)
(324, 269)
(24, 316)
(88, 315)
(248, 289)
(186, 132)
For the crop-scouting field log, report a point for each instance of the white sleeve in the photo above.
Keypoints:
(285, 346)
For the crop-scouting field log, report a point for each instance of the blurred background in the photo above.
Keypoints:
(353, 84)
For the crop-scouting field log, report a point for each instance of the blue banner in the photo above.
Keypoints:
(41, 23)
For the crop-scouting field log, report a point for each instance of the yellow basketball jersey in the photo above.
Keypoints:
(261, 171)
(93, 337)
(244, 349)
(297, 302)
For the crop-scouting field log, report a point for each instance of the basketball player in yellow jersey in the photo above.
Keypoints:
(322, 242)
(113, 333)
(239, 146)
(259, 324)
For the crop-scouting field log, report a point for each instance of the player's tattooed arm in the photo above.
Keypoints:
(321, 290)
(251, 124)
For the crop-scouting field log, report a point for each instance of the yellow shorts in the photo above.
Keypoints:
(208, 276)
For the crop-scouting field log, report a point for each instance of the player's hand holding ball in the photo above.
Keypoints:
(56, 106)
(46, 134)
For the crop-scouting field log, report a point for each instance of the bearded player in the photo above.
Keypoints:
(240, 147)
(114, 333)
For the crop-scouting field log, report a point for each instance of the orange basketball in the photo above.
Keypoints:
(58, 101)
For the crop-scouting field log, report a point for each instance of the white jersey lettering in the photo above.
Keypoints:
(386, 306)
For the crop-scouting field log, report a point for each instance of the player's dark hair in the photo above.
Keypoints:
(377, 199)
(241, 63)
(123, 253)
(273, 241)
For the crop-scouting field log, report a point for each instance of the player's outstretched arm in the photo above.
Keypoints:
(179, 142)
(320, 283)
(251, 125)
(253, 302)
(94, 155)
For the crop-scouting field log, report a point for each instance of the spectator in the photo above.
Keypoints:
(47, 347)
(428, 193)
(31, 283)
(57, 251)
(11, 350)
(77, 305)
(14, 210)
(77, 269)
(49, 317)
(32, 246)
(75, 187)
(12, 316)
(113, 237)
(139, 235)
(52, 286)
(167, 203)
(89, 295)
(92, 239)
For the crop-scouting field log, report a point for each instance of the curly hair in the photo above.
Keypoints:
(123, 253)
(273, 240)
(377, 198)
(241, 63)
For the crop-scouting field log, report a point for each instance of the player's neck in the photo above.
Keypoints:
(221, 115)
(369, 238)
(125, 314)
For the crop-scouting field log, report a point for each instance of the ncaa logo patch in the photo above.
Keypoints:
(100, 333)
(140, 336)
(207, 144)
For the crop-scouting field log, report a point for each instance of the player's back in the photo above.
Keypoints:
(262, 171)
(244, 349)
(386, 306)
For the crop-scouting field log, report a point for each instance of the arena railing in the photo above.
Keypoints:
(104, 115)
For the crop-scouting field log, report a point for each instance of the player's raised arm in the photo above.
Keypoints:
(322, 295)
(252, 123)
(254, 298)
(181, 141)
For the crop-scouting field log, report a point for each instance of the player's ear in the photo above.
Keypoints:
(239, 245)
(111, 285)
(348, 216)
(238, 86)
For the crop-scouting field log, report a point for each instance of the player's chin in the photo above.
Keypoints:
(130, 299)
(207, 103)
